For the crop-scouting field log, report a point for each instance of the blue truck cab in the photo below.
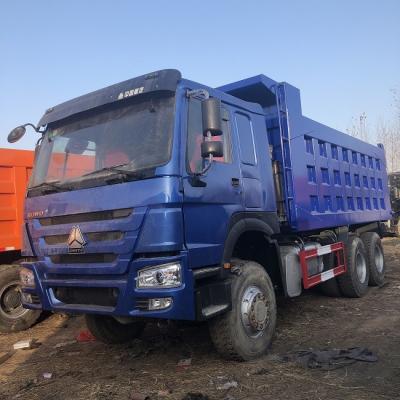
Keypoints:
(161, 198)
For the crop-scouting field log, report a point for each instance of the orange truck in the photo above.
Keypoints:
(15, 170)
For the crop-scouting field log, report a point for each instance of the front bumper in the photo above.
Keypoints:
(125, 299)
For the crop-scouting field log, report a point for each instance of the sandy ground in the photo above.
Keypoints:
(148, 367)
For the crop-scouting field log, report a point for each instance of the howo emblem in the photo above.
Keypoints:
(76, 241)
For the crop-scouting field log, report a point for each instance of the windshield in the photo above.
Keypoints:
(134, 137)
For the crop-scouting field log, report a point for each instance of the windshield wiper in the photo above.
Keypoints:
(115, 168)
(50, 187)
(123, 174)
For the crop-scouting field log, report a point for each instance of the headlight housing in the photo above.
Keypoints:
(160, 276)
(27, 277)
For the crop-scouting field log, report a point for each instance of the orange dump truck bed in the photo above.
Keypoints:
(15, 169)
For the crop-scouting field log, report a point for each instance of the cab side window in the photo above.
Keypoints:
(246, 139)
(195, 137)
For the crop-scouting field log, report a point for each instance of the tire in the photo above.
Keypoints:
(13, 317)
(375, 258)
(354, 282)
(330, 288)
(241, 334)
(109, 330)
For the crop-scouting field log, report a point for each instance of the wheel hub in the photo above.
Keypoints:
(378, 259)
(361, 267)
(10, 301)
(254, 311)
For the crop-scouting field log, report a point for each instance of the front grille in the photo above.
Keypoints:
(86, 217)
(92, 236)
(142, 304)
(87, 296)
(83, 258)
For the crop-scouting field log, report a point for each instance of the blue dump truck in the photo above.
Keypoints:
(161, 198)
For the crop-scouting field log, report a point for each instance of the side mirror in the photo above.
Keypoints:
(212, 121)
(211, 148)
(16, 134)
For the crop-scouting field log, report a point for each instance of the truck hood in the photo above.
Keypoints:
(96, 228)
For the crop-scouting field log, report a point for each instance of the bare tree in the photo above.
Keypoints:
(359, 128)
(396, 105)
(389, 136)
(388, 133)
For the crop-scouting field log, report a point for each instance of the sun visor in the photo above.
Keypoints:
(164, 80)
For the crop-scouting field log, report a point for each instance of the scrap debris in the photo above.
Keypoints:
(225, 383)
(85, 336)
(63, 344)
(26, 344)
(329, 359)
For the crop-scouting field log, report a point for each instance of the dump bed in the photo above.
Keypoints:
(15, 169)
(328, 178)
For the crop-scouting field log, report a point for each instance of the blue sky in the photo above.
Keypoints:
(344, 55)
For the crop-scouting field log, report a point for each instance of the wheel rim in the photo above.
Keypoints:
(361, 267)
(254, 311)
(378, 258)
(10, 301)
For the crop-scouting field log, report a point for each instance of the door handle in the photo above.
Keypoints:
(235, 182)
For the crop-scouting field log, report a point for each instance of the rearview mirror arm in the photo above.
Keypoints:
(36, 128)
(209, 160)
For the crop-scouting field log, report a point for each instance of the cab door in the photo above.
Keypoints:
(210, 199)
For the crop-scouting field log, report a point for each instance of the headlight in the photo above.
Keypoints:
(160, 276)
(26, 277)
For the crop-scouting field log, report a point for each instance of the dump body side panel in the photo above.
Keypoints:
(15, 170)
(329, 178)
(338, 179)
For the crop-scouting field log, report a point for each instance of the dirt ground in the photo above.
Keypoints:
(149, 366)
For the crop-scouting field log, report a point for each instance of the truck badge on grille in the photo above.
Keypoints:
(76, 241)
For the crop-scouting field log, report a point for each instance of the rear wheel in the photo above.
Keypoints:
(13, 317)
(245, 332)
(354, 282)
(375, 258)
(109, 330)
(330, 288)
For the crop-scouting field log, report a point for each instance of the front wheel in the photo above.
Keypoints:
(245, 332)
(109, 330)
(13, 317)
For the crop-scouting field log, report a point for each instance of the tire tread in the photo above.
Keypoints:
(221, 328)
(369, 239)
(346, 281)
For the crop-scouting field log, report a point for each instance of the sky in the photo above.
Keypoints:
(344, 55)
